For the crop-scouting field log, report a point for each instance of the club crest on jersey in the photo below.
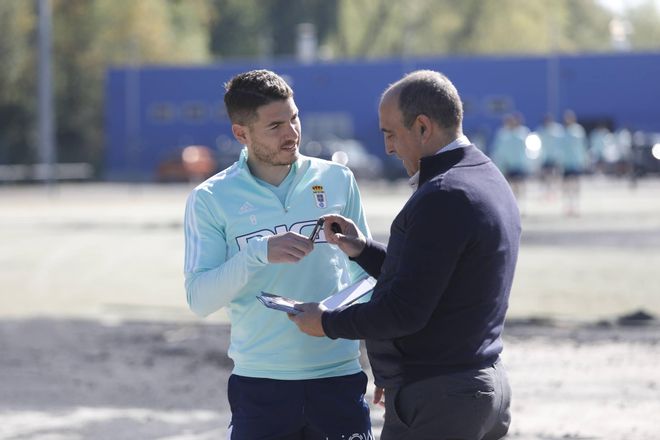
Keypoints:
(319, 196)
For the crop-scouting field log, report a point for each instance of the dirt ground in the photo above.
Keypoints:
(97, 343)
(75, 379)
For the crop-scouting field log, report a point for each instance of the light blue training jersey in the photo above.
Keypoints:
(509, 149)
(551, 135)
(574, 148)
(227, 221)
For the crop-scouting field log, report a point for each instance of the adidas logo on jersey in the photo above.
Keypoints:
(247, 207)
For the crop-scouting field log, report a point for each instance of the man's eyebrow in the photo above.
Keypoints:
(278, 121)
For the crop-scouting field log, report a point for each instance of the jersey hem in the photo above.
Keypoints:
(351, 368)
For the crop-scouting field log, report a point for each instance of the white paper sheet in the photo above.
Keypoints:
(349, 294)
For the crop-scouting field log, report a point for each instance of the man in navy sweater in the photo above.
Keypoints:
(434, 323)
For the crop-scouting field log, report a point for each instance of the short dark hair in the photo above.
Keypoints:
(248, 91)
(429, 93)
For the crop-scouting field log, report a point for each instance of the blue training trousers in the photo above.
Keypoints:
(330, 408)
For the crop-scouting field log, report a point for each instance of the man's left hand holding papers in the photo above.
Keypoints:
(309, 319)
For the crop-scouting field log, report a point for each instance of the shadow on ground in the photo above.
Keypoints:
(69, 363)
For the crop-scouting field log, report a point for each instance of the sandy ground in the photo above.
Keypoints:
(97, 342)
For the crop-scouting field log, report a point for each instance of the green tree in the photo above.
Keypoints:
(244, 28)
(88, 37)
(373, 28)
(644, 21)
(236, 29)
(286, 15)
(585, 26)
(17, 103)
(91, 35)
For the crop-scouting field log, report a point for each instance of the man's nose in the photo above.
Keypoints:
(293, 132)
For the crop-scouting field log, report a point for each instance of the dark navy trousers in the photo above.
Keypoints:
(330, 408)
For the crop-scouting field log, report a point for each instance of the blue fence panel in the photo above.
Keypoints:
(152, 112)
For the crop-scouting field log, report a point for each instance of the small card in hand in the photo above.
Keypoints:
(279, 302)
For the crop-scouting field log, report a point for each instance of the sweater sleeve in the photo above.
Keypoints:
(372, 257)
(437, 227)
(212, 280)
(353, 210)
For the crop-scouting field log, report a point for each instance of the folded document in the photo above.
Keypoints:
(343, 298)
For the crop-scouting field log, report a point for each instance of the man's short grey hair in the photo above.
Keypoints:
(430, 93)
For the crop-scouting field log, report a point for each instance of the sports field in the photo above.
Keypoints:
(117, 250)
(98, 343)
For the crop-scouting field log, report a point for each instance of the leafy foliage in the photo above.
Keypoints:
(90, 35)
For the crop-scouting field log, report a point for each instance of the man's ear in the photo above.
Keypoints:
(241, 133)
(424, 126)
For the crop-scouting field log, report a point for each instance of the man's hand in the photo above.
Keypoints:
(350, 240)
(379, 396)
(288, 247)
(309, 319)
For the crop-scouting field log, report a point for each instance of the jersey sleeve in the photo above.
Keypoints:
(212, 280)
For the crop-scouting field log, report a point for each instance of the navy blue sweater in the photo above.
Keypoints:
(444, 278)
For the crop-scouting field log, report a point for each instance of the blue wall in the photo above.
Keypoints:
(151, 111)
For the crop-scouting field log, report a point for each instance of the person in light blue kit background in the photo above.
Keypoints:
(246, 232)
(574, 161)
(602, 149)
(551, 134)
(509, 153)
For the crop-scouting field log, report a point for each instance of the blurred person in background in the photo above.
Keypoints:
(509, 152)
(625, 166)
(574, 161)
(434, 323)
(243, 235)
(603, 152)
(550, 133)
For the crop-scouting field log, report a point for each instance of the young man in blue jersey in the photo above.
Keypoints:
(433, 326)
(246, 231)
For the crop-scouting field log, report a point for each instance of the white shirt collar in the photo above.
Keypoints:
(459, 142)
